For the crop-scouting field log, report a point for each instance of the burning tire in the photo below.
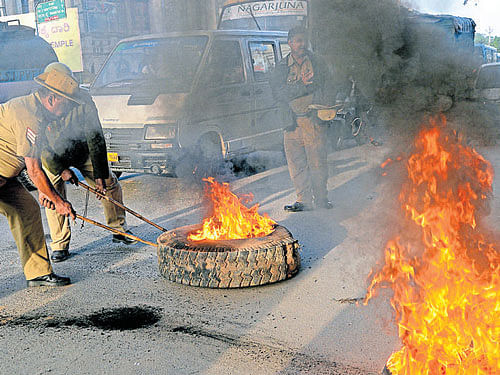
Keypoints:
(228, 263)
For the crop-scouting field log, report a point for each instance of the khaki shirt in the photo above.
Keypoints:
(296, 71)
(21, 122)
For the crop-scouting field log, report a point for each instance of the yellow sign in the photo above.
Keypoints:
(64, 36)
(113, 156)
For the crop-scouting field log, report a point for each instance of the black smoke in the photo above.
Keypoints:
(406, 69)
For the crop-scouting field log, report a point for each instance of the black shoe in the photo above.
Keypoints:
(326, 205)
(117, 238)
(59, 255)
(49, 280)
(297, 207)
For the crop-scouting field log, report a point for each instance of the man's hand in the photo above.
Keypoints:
(100, 186)
(69, 175)
(45, 201)
(64, 208)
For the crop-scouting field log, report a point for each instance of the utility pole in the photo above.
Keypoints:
(3, 8)
(212, 14)
(489, 31)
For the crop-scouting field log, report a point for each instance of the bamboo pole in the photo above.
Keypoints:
(120, 205)
(116, 231)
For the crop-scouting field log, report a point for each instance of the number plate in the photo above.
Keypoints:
(113, 156)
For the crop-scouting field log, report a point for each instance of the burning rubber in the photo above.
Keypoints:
(228, 263)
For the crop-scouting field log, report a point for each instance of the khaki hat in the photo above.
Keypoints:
(61, 82)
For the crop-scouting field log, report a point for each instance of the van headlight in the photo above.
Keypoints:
(159, 131)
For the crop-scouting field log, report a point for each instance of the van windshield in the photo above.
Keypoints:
(166, 64)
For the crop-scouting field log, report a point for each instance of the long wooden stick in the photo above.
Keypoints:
(120, 205)
(115, 230)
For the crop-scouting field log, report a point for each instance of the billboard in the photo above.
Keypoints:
(62, 34)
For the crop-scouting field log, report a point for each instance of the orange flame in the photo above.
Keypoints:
(447, 299)
(230, 219)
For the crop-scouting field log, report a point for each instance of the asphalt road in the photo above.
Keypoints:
(121, 317)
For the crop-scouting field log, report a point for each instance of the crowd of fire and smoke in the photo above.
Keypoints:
(444, 270)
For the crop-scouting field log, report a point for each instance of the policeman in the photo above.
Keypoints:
(22, 123)
(300, 82)
(77, 141)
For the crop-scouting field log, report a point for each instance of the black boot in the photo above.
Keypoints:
(297, 207)
(117, 238)
(49, 280)
(59, 255)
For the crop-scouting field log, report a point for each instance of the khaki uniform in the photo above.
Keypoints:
(77, 141)
(305, 146)
(21, 123)
(60, 229)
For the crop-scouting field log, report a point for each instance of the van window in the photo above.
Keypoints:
(489, 77)
(285, 49)
(166, 63)
(263, 59)
(224, 65)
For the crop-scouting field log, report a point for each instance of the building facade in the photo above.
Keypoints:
(104, 22)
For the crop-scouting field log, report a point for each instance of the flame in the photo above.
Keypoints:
(446, 284)
(230, 218)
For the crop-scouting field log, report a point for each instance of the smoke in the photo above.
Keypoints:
(406, 69)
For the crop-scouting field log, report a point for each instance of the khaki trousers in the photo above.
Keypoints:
(60, 230)
(306, 153)
(25, 222)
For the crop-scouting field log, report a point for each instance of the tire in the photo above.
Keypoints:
(228, 263)
(25, 180)
(204, 160)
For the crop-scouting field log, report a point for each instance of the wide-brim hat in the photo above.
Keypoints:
(62, 84)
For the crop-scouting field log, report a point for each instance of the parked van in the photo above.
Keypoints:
(183, 100)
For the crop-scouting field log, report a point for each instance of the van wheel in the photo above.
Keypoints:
(204, 160)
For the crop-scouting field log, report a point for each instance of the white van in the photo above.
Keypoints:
(188, 100)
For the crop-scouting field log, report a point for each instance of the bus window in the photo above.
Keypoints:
(263, 15)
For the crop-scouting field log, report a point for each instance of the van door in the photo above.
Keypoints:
(222, 100)
(263, 58)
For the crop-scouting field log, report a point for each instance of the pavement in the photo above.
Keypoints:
(120, 316)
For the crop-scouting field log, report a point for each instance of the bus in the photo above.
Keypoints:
(488, 54)
(263, 15)
(24, 55)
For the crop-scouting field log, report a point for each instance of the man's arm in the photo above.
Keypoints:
(43, 184)
(95, 141)
(285, 92)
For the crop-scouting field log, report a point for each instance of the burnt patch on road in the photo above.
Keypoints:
(120, 318)
(125, 318)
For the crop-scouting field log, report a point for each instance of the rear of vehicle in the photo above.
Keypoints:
(23, 56)
(263, 15)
